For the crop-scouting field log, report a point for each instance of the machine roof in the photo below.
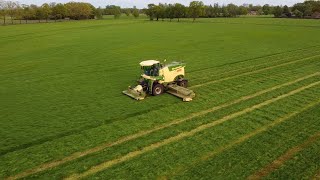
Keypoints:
(149, 63)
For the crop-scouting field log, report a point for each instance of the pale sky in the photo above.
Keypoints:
(143, 3)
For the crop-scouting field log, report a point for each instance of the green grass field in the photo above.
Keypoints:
(255, 115)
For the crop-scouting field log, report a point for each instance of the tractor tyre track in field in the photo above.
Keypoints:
(265, 171)
(256, 71)
(124, 139)
(78, 130)
(240, 140)
(107, 164)
(316, 176)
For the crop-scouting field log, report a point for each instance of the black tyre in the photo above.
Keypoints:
(183, 83)
(157, 89)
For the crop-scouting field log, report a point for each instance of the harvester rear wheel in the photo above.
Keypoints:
(157, 89)
(183, 83)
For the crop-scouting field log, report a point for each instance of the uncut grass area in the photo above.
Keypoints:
(61, 84)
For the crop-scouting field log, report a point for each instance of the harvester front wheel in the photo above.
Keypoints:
(157, 89)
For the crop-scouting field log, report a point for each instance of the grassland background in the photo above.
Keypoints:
(61, 83)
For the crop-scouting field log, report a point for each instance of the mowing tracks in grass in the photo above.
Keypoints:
(133, 154)
(78, 155)
(242, 139)
(256, 71)
(283, 158)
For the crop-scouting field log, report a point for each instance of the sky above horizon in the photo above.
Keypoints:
(144, 3)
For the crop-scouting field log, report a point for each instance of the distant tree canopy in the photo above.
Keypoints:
(306, 9)
(196, 9)
(71, 10)
(135, 12)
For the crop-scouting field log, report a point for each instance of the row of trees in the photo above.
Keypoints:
(307, 9)
(198, 9)
(56, 11)
(194, 10)
(116, 11)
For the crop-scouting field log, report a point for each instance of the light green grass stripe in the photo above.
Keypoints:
(252, 72)
(78, 155)
(107, 164)
(240, 140)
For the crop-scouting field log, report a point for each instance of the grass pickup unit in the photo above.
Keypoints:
(158, 78)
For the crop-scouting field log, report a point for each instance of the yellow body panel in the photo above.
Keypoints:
(170, 76)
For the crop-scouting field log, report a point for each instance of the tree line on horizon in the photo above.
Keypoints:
(58, 11)
(80, 10)
(196, 9)
(54, 11)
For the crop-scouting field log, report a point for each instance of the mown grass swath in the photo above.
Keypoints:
(307, 76)
(62, 111)
(108, 164)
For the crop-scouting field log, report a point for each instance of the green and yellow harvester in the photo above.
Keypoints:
(158, 78)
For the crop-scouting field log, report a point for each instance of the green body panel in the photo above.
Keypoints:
(175, 65)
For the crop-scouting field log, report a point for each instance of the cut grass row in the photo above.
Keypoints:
(128, 148)
(207, 82)
(121, 97)
(253, 68)
(305, 164)
(244, 159)
(178, 151)
(207, 156)
(289, 154)
(107, 164)
(92, 125)
(256, 62)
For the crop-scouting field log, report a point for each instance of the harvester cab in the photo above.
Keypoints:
(157, 78)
